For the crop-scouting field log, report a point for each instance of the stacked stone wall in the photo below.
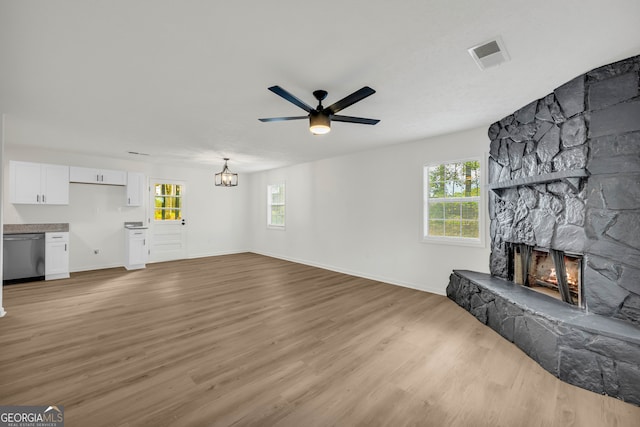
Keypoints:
(589, 126)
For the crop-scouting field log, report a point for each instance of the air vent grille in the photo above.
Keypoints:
(489, 53)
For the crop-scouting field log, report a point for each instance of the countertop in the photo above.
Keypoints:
(35, 228)
(134, 225)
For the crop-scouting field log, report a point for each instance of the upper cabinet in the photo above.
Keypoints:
(44, 184)
(135, 189)
(38, 184)
(97, 176)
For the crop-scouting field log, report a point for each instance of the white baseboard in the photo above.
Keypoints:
(116, 265)
(96, 267)
(208, 254)
(388, 280)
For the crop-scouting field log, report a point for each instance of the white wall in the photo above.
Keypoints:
(362, 214)
(358, 214)
(96, 213)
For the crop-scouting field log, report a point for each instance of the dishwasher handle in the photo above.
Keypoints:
(19, 238)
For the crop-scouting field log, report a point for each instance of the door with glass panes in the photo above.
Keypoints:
(167, 223)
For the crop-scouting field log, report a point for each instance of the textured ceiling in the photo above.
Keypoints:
(187, 80)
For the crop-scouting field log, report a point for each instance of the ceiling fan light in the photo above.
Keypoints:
(319, 124)
(226, 178)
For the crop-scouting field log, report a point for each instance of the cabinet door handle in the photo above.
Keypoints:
(144, 242)
(38, 198)
(129, 200)
(56, 237)
(65, 247)
(97, 178)
(43, 200)
(102, 178)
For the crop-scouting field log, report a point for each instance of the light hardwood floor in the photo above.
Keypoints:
(248, 340)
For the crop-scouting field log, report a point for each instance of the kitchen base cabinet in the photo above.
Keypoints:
(56, 256)
(136, 249)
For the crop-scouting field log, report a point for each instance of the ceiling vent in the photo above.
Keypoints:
(489, 53)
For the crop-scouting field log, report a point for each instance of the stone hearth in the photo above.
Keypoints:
(564, 176)
(590, 351)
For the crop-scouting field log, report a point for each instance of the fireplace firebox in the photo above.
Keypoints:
(548, 271)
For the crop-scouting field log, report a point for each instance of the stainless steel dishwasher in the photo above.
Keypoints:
(23, 257)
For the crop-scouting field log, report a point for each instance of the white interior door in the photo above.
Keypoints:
(167, 223)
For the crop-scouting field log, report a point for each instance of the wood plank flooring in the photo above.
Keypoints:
(247, 340)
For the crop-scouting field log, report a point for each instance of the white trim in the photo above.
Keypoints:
(388, 280)
(96, 267)
(56, 276)
(455, 241)
(218, 253)
(191, 256)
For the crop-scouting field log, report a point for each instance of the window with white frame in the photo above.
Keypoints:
(452, 204)
(275, 206)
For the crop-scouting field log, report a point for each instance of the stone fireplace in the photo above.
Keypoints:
(564, 205)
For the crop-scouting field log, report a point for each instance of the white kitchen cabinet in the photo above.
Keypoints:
(97, 176)
(113, 177)
(136, 249)
(135, 189)
(56, 256)
(38, 183)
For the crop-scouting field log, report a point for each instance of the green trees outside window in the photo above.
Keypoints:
(168, 202)
(452, 200)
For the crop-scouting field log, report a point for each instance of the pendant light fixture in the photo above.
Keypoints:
(226, 178)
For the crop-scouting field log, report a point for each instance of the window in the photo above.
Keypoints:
(275, 206)
(452, 205)
(168, 202)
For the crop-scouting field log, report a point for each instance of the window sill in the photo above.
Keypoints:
(276, 227)
(454, 241)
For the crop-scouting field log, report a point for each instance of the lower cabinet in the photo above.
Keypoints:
(56, 256)
(136, 249)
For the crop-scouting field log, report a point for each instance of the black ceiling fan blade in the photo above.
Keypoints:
(292, 99)
(348, 100)
(349, 119)
(282, 119)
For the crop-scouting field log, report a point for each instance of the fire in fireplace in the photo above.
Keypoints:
(548, 271)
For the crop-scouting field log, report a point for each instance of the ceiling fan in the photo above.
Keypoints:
(320, 117)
